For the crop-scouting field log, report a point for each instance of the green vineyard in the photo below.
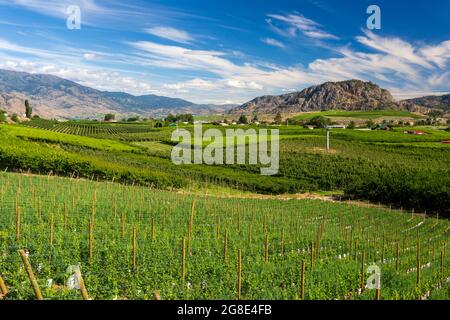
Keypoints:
(132, 242)
(90, 128)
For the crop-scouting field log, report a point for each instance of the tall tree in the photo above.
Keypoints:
(28, 110)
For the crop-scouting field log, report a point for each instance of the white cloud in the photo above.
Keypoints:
(195, 83)
(90, 56)
(298, 23)
(171, 34)
(438, 54)
(273, 42)
(100, 79)
(394, 47)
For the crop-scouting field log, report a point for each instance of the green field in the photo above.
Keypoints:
(390, 167)
(128, 242)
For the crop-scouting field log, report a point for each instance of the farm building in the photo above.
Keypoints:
(415, 132)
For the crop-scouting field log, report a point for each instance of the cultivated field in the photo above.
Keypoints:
(134, 242)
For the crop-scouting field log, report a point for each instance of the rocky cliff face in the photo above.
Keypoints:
(345, 95)
(436, 102)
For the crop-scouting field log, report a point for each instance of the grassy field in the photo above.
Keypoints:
(382, 166)
(131, 241)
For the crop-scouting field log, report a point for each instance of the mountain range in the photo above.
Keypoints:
(436, 102)
(352, 95)
(54, 97)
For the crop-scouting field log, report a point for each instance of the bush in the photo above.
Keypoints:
(420, 190)
(3, 117)
(15, 118)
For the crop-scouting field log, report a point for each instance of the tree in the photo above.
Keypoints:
(28, 109)
(319, 122)
(351, 125)
(278, 118)
(185, 118)
(15, 117)
(370, 123)
(110, 117)
(2, 116)
(170, 118)
(133, 119)
(243, 119)
(255, 118)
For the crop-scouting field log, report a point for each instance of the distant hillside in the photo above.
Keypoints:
(437, 102)
(351, 95)
(54, 97)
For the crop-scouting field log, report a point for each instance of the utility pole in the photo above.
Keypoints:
(328, 138)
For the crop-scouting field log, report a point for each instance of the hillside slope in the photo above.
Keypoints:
(54, 97)
(345, 95)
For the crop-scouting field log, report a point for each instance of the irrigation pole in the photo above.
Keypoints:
(328, 138)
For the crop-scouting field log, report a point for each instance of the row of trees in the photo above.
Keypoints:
(179, 118)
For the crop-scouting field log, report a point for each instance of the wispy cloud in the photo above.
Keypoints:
(293, 24)
(273, 42)
(172, 34)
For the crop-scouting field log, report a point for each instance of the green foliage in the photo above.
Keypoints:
(15, 118)
(160, 219)
(133, 119)
(370, 124)
(171, 118)
(319, 122)
(351, 125)
(243, 119)
(110, 117)
(304, 164)
(3, 116)
(28, 109)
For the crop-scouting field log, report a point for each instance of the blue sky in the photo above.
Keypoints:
(230, 51)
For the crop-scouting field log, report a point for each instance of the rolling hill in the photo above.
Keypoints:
(54, 97)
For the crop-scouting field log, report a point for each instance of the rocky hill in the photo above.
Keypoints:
(54, 97)
(436, 102)
(345, 95)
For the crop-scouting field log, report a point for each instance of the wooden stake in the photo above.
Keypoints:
(363, 268)
(91, 240)
(183, 269)
(397, 264)
(418, 262)
(51, 229)
(65, 216)
(225, 246)
(123, 224)
(377, 294)
(29, 270)
(134, 247)
(83, 290)
(239, 278)
(303, 280)
(17, 224)
(312, 255)
(3, 288)
(266, 257)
